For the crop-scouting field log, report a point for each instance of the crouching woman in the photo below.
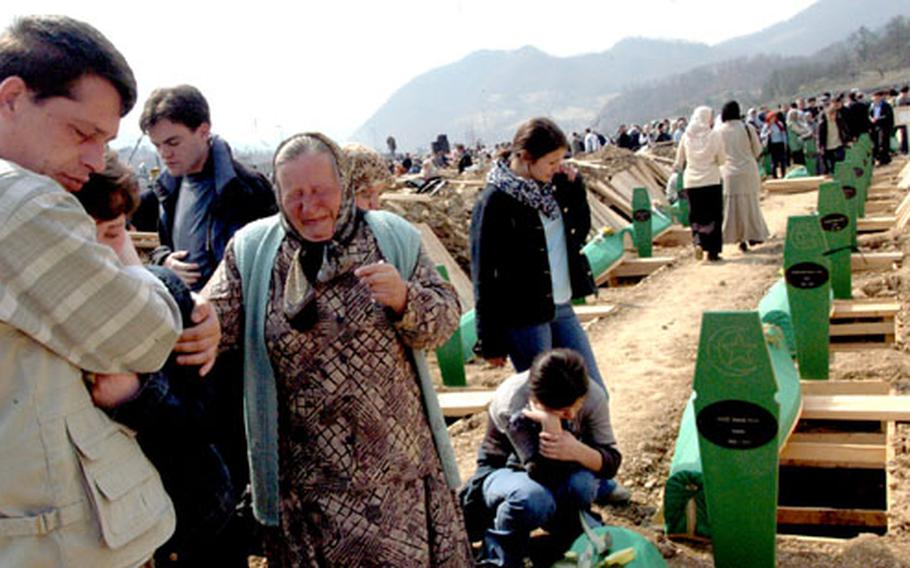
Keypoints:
(548, 454)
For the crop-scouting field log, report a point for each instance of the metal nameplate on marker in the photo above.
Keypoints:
(641, 215)
(806, 275)
(849, 191)
(835, 222)
(737, 424)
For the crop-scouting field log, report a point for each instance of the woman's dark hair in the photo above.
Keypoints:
(558, 378)
(730, 111)
(538, 137)
(183, 104)
(108, 194)
(51, 53)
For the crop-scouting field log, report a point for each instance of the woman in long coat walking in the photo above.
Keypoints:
(743, 220)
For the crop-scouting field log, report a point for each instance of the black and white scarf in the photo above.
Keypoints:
(529, 192)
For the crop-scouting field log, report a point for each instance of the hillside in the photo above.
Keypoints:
(486, 94)
(865, 59)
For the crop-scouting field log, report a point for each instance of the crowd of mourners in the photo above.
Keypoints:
(260, 386)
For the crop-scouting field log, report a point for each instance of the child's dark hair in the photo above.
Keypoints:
(558, 378)
(108, 194)
(538, 137)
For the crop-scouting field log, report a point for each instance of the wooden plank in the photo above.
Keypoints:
(904, 177)
(831, 517)
(624, 183)
(852, 309)
(875, 224)
(607, 217)
(588, 313)
(903, 213)
(855, 438)
(829, 388)
(613, 197)
(817, 454)
(875, 260)
(856, 407)
(879, 189)
(439, 255)
(464, 403)
(890, 433)
(655, 190)
(661, 172)
(674, 237)
(867, 328)
(630, 267)
(607, 274)
(406, 197)
(860, 346)
(795, 185)
(882, 207)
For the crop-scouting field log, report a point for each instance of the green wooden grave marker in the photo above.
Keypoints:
(811, 151)
(807, 273)
(765, 163)
(834, 218)
(683, 202)
(450, 356)
(641, 220)
(737, 419)
(846, 176)
(862, 185)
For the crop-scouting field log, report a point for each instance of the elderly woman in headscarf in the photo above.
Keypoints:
(369, 174)
(699, 157)
(350, 461)
(743, 220)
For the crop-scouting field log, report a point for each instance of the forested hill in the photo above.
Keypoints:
(486, 94)
(865, 59)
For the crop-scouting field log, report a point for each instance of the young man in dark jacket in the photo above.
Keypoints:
(205, 195)
(882, 116)
(548, 454)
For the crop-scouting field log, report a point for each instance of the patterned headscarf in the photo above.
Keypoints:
(366, 166)
(315, 262)
(531, 193)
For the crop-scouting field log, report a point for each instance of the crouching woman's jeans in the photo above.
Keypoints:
(521, 505)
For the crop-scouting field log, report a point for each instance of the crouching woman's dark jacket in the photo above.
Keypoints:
(510, 266)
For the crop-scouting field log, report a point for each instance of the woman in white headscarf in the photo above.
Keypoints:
(699, 157)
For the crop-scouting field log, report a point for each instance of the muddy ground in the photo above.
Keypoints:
(646, 350)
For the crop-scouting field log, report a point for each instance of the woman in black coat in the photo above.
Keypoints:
(527, 231)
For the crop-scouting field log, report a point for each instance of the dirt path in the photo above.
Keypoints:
(646, 352)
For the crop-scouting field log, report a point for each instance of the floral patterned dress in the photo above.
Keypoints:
(360, 481)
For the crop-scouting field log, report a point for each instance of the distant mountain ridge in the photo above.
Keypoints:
(488, 93)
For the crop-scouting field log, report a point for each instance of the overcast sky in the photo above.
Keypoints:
(272, 68)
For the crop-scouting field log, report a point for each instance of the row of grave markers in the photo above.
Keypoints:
(747, 392)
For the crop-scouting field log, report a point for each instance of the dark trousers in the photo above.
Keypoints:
(706, 214)
(778, 158)
(881, 140)
(903, 136)
(798, 157)
(832, 157)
